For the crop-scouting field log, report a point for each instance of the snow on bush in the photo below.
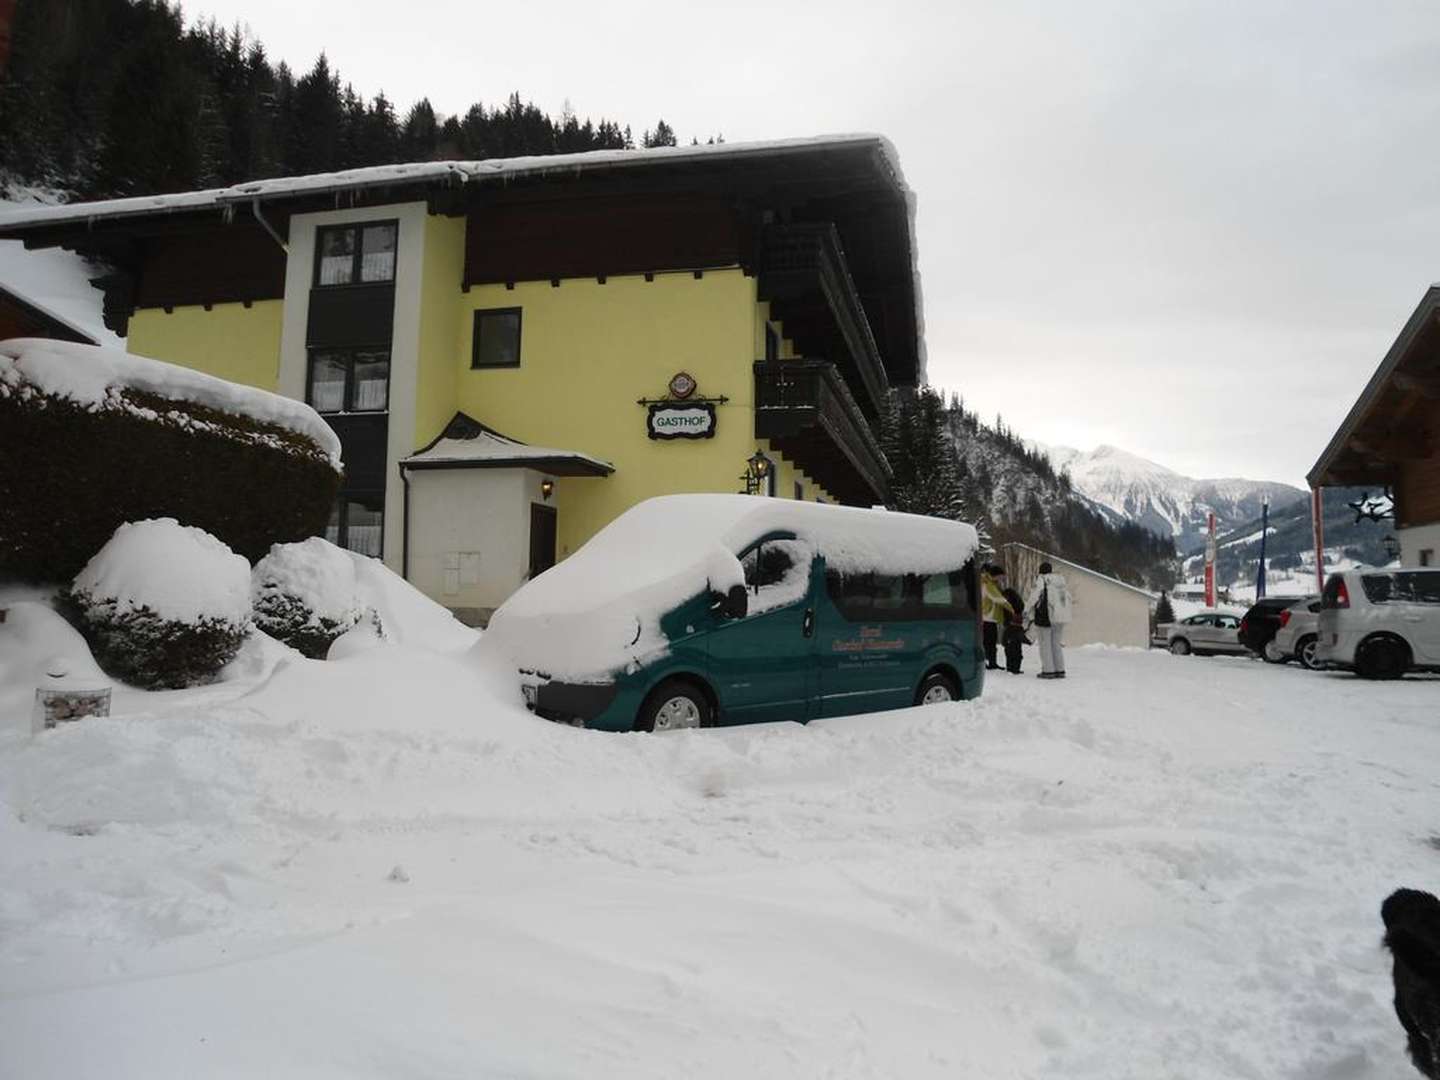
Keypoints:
(163, 605)
(306, 595)
(91, 438)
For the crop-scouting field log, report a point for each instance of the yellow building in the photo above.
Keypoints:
(514, 352)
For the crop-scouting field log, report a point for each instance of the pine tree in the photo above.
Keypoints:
(663, 135)
(1164, 612)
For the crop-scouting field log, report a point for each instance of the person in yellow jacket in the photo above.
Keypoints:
(994, 610)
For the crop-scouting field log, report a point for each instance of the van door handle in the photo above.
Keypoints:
(808, 626)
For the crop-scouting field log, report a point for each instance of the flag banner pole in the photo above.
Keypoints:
(1210, 564)
(1264, 532)
(1317, 519)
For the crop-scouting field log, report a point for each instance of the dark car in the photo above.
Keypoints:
(1262, 622)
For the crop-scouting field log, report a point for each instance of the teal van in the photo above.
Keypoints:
(701, 610)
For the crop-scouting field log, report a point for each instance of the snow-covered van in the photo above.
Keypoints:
(695, 610)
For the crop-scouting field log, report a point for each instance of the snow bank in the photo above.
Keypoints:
(601, 607)
(407, 615)
(95, 378)
(1156, 868)
(180, 573)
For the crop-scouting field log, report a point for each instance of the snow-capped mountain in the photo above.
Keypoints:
(1162, 500)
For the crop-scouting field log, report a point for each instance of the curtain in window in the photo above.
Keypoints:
(337, 256)
(327, 384)
(372, 382)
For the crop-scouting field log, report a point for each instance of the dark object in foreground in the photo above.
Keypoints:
(1412, 934)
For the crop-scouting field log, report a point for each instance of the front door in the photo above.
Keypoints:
(542, 538)
(762, 666)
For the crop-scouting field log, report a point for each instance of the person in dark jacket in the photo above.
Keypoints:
(1014, 632)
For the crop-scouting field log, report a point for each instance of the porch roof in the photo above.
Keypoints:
(466, 443)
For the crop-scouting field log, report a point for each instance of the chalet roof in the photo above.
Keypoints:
(1385, 424)
(467, 443)
(852, 180)
(431, 172)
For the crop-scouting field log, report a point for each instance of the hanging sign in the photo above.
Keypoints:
(678, 421)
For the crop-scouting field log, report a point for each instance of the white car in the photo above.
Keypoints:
(1206, 633)
(1298, 637)
(1381, 623)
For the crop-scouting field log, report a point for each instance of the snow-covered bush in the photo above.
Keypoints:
(306, 595)
(163, 605)
(91, 438)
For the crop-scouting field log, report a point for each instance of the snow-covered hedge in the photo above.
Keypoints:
(91, 438)
(163, 605)
(306, 595)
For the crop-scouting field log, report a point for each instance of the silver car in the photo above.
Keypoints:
(1381, 623)
(1299, 635)
(1205, 634)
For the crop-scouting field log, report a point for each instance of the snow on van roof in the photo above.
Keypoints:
(93, 377)
(600, 608)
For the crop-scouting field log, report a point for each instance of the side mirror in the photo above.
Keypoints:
(733, 604)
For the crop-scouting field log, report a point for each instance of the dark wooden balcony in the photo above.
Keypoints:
(804, 276)
(808, 413)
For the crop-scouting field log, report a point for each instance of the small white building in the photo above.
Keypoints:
(1106, 611)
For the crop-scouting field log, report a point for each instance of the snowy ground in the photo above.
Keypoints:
(1161, 867)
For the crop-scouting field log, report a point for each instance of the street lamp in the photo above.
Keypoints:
(759, 474)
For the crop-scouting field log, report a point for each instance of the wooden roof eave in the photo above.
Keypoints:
(1331, 467)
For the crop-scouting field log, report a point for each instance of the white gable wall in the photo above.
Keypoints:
(1106, 612)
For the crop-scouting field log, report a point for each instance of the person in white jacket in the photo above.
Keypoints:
(1048, 607)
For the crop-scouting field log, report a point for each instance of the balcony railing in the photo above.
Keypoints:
(802, 267)
(808, 413)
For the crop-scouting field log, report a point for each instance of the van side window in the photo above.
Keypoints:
(895, 598)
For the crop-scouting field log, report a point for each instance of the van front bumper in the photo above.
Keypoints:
(569, 703)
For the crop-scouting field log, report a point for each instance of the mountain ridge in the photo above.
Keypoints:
(1131, 488)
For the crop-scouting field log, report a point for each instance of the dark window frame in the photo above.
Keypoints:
(349, 354)
(480, 313)
(342, 529)
(358, 227)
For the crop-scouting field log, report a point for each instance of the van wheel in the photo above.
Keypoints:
(1382, 658)
(1180, 647)
(673, 705)
(936, 689)
(1308, 650)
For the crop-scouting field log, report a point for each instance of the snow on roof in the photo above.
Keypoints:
(467, 442)
(56, 283)
(600, 608)
(93, 377)
(1085, 570)
(459, 172)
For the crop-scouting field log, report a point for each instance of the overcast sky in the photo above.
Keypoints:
(1189, 230)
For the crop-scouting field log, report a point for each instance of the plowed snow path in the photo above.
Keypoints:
(1160, 867)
